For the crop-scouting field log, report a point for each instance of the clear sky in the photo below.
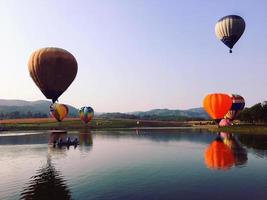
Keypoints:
(136, 55)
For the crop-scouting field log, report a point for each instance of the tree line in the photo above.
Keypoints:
(19, 115)
(254, 114)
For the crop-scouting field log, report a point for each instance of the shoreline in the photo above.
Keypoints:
(98, 124)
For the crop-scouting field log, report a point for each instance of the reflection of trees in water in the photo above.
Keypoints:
(257, 143)
(48, 183)
(24, 139)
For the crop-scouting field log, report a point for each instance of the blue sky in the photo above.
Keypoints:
(136, 55)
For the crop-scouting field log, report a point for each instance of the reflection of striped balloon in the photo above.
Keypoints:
(86, 114)
(86, 139)
(59, 111)
(229, 29)
(238, 104)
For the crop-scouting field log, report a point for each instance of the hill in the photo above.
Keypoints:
(25, 109)
(37, 109)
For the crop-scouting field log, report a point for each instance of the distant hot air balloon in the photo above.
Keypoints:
(86, 114)
(219, 156)
(53, 70)
(238, 104)
(229, 29)
(217, 105)
(59, 111)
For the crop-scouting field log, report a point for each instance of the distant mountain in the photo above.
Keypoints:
(25, 109)
(22, 108)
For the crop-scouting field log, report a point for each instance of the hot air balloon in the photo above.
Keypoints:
(229, 29)
(217, 105)
(238, 104)
(53, 70)
(86, 114)
(59, 111)
(225, 122)
(219, 156)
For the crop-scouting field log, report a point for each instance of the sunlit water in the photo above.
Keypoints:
(155, 164)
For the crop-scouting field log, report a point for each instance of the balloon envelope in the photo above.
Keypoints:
(229, 29)
(86, 114)
(217, 105)
(52, 70)
(59, 111)
(238, 104)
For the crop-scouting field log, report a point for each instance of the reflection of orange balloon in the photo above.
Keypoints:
(59, 111)
(219, 156)
(217, 105)
(52, 70)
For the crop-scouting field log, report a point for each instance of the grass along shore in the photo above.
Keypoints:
(109, 124)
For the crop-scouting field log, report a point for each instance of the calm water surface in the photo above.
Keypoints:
(156, 164)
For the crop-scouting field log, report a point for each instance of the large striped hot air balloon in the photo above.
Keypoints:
(86, 114)
(59, 111)
(229, 29)
(53, 70)
(238, 104)
(217, 105)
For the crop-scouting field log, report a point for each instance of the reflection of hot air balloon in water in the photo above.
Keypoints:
(48, 183)
(217, 105)
(219, 156)
(238, 104)
(59, 111)
(52, 70)
(229, 29)
(240, 153)
(86, 114)
(86, 139)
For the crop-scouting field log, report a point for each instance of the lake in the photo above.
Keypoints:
(138, 164)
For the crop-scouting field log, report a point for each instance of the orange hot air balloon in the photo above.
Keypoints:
(219, 156)
(53, 70)
(59, 111)
(217, 105)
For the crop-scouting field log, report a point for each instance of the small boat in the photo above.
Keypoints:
(67, 142)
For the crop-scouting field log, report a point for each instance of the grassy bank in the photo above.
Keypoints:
(109, 124)
(76, 123)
